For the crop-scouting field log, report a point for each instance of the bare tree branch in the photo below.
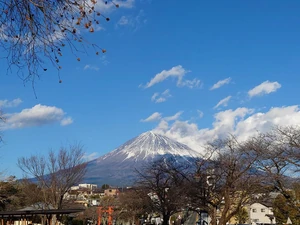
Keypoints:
(278, 153)
(224, 183)
(34, 32)
(2, 120)
(57, 173)
(165, 182)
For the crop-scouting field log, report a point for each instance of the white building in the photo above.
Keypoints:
(88, 186)
(261, 214)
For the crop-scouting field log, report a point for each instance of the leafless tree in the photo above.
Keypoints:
(224, 181)
(33, 194)
(89, 214)
(2, 120)
(133, 205)
(56, 173)
(108, 201)
(164, 181)
(278, 157)
(11, 195)
(283, 209)
(35, 31)
(290, 137)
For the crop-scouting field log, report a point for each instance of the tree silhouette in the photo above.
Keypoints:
(164, 180)
(56, 173)
(226, 182)
(35, 31)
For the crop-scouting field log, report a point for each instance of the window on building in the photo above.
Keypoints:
(263, 210)
(254, 210)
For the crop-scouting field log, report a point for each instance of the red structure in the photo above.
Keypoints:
(109, 210)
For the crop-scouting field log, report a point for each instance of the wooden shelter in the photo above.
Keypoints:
(24, 217)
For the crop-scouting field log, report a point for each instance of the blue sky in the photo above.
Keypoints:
(193, 71)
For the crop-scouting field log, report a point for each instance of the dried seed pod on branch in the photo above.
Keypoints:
(36, 31)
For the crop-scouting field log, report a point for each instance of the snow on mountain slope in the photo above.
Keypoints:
(117, 167)
(149, 145)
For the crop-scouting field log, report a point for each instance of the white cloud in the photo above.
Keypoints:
(200, 113)
(90, 67)
(159, 98)
(278, 116)
(102, 7)
(155, 96)
(174, 117)
(98, 27)
(162, 127)
(66, 121)
(124, 20)
(163, 120)
(38, 115)
(220, 83)
(225, 120)
(223, 102)
(9, 104)
(264, 88)
(190, 83)
(133, 21)
(104, 60)
(163, 124)
(91, 156)
(241, 122)
(154, 117)
(177, 72)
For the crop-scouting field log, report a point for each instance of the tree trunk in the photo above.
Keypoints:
(213, 215)
(166, 218)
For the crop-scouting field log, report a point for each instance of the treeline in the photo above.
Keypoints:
(231, 175)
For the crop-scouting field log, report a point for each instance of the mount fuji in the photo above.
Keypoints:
(118, 166)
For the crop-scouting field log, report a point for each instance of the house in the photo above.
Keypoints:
(113, 192)
(85, 186)
(261, 214)
(88, 186)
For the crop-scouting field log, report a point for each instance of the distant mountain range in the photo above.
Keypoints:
(118, 166)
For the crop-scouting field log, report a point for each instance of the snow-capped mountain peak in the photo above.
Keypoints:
(119, 165)
(149, 145)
